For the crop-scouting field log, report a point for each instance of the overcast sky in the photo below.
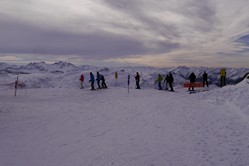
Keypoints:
(160, 33)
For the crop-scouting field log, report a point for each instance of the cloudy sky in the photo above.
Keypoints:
(159, 33)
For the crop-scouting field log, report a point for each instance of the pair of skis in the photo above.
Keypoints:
(197, 91)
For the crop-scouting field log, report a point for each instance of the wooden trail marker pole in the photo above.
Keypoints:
(128, 83)
(116, 78)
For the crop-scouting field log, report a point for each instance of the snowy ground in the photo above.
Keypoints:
(72, 127)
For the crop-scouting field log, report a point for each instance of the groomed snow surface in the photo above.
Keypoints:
(109, 127)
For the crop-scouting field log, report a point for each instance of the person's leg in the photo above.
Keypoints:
(159, 86)
(81, 85)
(171, 87)
(92, 85)
(137, 84)
(98, 82)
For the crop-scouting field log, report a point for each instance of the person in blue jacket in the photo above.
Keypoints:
(92, 80)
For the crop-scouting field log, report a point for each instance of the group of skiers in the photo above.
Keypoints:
(169, 79)
(192, 79)
(99, 78)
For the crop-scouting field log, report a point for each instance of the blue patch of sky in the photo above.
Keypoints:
(243, 39)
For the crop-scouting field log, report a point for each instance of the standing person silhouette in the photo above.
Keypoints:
(166, 81)
(102, 78)
(98, 80)
(92, 80)
(137, 78)
(81, 81)
(205, 79)
(170, 81)
(223, 77)
(192, 79)
(159, 81)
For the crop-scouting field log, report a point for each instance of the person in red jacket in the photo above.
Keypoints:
(81, 81)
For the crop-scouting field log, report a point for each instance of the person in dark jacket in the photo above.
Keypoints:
(170, 81)
(102, 78)
(98, 80)
(92, 80)
(205, 79)
(166, 81)
(192, 79)
(137, 78)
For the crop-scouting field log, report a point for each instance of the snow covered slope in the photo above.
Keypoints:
(109, 127)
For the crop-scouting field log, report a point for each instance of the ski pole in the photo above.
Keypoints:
(16, 84)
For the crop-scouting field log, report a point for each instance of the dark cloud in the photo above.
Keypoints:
(103, 29)
(202, 11)
(137, 9)
(17, 37)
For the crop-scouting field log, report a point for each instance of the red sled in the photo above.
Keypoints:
(196, 84)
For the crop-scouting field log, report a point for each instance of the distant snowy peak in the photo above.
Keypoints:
(38, 66)
(62, 64)
(58, 67)
(36, 63)
(3, 65)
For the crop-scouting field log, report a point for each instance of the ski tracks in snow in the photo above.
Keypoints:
(110, 127)
(221, 134)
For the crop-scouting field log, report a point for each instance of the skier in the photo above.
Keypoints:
(166, 80)
(222, 77)
(137, 78)
(159, 80)
(92, 80)
(205, 79)
(81, 81)
(98, 80)
(192, 78)
(170, 81)
(102, 78)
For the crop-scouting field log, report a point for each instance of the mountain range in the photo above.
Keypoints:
(64, 74)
